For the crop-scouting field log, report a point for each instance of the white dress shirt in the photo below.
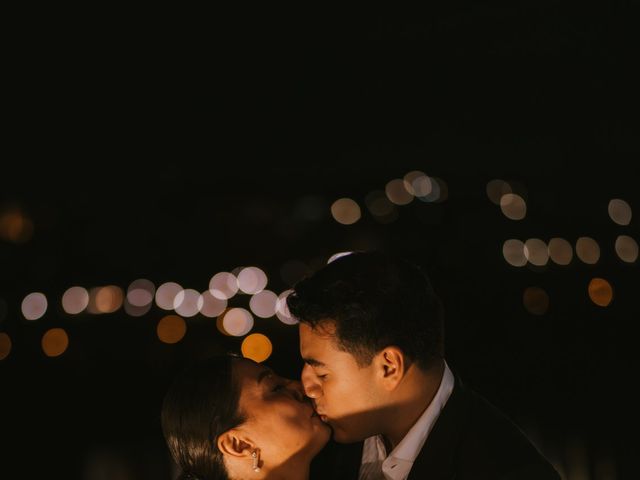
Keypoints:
(376, 465)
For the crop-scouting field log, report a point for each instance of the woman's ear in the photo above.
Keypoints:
(234, 443)
(390, 366)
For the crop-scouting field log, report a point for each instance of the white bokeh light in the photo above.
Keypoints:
(140, 292)
(263, 304)
(188, 302)
(237, 322)
(166, 294)
(212, 306)
(34, 306)
(75, 300)
(252, 280)
(513, 206)
(223, 285)
(282, 309)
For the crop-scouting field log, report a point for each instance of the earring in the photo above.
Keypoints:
(256, 460)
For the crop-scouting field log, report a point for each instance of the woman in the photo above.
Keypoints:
(232, 418)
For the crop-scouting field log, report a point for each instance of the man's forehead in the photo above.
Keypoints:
(324, 328)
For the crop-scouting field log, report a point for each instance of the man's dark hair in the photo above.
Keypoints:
(375, 300)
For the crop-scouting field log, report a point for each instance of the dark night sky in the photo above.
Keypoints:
(150, 146)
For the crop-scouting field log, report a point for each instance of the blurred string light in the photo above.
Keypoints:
(282, 309)
(75, 300)
(345, 211)
(188, 302)
(513, 206)
(171, 329)
(380, 207)
(5, 345)
(166, 294)
(513, 252)
(257, 347)
(535, 300)
(600, 292)
(560, 251)
(34, 306)
(620, 211)
(55, 342)
(237, 322)
(212, 306)
(397, 193)
(141, 292)
(15, 225)
(418, 184)
(536, 252)
(252, 280)
(496, 189)
(223, 285)
(336, 256)
(263, 304)
(107, 299)
(626, 248)
(588, 250)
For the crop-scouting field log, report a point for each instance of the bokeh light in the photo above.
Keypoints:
(55, 342)
(237, 322)
(257, 347)
(166, 294)
(536, 252)
(513, 206)
(252, 280)
(15, 226)
(34, 306)
(223, 285)
(107, 299)
(513, 252)
(620, 211)
(5, 345)
(588, 250)
(600, 292)
(560, 251)
(188, 302)
(438, 191)
(171, 329)
(417, 183)
(345, 211)
(75, 300)
(380, 207)
(134, 310)
(626, 248)
(282, 309)
(212, 306)
(140, 292)
(263, 304)
(336, 256)
(496, 189)
(535, 300)
(397, 193)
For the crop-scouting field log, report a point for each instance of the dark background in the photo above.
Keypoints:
(171, 145)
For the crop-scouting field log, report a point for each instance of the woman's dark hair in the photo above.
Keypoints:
(201, 404)
(375, 300)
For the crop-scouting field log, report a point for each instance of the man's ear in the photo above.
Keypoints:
(234, 443)
(390, 366)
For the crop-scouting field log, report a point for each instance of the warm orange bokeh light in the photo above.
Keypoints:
(536, 300)
(5, 345)
(257, 347)
(171, 329)
(600, 292)
(55, 342)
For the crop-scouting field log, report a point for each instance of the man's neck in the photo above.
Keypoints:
(418, 392)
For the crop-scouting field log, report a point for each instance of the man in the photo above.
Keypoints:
(371, 337)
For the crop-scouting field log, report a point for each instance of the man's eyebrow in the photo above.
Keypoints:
(263, 374)
(313, 362)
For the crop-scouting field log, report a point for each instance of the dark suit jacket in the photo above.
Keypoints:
(471, 440)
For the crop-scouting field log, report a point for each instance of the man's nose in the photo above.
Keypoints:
(310, 383)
